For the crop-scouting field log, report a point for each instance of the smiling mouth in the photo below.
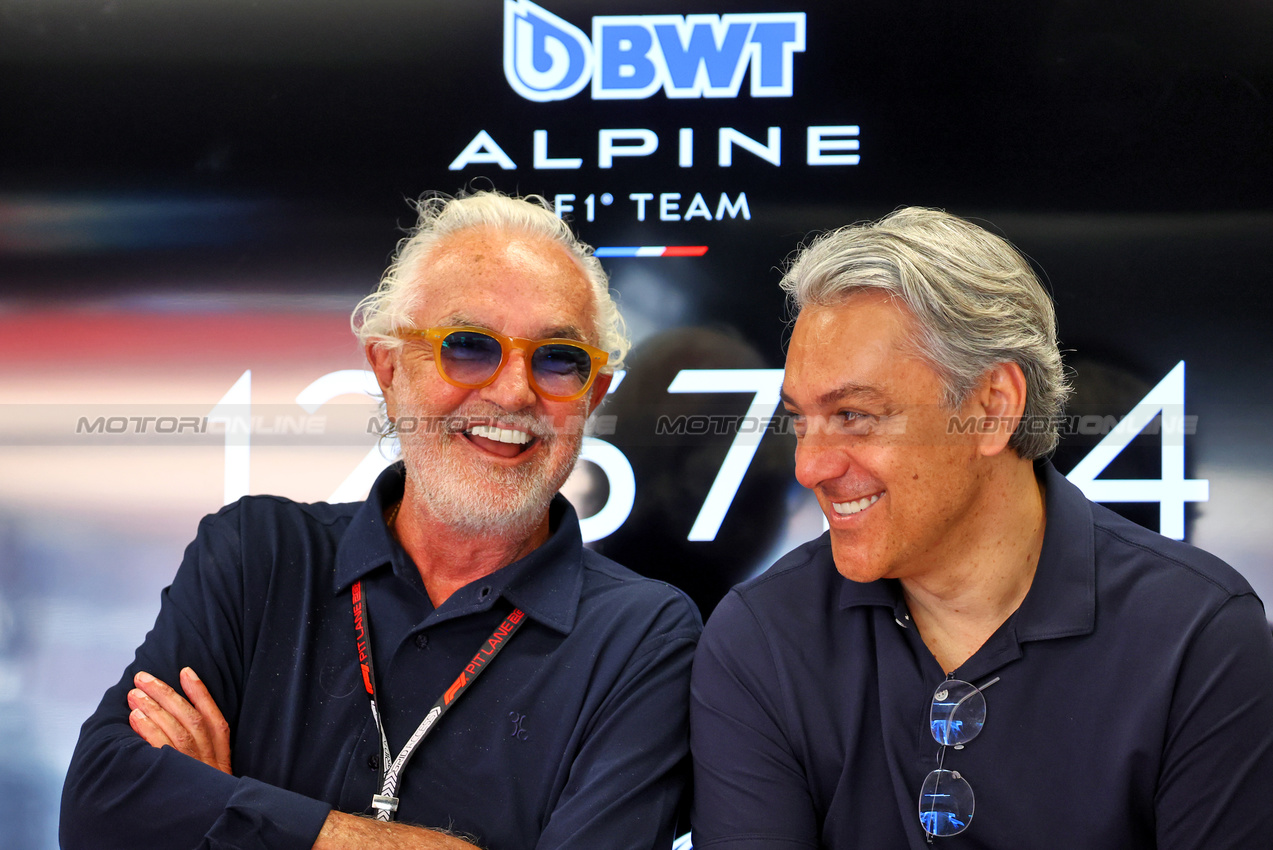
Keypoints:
(505, 442)
(500, 435)
(856, 506)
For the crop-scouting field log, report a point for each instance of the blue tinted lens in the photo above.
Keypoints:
(470, 357)
(561, 368)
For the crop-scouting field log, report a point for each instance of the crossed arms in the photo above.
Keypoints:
(193, 725)
(605, 765)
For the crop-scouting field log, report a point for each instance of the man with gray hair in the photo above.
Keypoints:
(443, 664)
(972, 634)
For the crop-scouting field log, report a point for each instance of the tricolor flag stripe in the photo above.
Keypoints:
(651, 251)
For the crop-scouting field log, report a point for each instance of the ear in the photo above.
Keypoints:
(1001, 397)
(383, 360)
(600, 387)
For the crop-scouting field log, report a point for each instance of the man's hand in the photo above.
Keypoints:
(194, 726)
(354, 832)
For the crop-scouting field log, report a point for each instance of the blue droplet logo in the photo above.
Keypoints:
(545, 57)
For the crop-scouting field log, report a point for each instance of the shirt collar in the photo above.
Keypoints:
(546, 583)
(1062, 598)
(856, 593)
(884, 593)
(367, 543)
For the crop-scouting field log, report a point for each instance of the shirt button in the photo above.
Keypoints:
(373, 762)
(422, 641)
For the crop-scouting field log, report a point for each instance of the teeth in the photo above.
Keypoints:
(848, 508)
(500, 435)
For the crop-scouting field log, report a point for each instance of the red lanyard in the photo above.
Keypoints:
(386, 802)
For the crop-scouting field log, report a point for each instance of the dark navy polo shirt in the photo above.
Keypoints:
(574, 736)
(1134, 707)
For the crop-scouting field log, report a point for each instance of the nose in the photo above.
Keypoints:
(818, 461)
(511, 388)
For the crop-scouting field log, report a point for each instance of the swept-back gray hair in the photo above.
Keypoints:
(440, 217)
(975, 301)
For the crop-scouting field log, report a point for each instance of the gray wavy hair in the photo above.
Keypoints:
(975, 300)
(440, 217)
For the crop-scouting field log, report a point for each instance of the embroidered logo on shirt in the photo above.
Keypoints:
(518, 732)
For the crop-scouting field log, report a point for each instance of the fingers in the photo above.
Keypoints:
(157, 702)
(214, 722)
(145, 727)
(164, 717)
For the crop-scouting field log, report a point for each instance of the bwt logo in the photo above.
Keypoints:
(630, 57)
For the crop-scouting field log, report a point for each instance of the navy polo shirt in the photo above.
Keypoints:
(574, 736)
(1134, 707)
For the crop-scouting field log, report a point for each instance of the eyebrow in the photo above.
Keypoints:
(845, 392)
(567, 332)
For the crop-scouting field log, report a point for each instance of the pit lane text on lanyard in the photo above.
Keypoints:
(386, 802)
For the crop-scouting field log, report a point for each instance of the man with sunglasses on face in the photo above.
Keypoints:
(443, 663)
(974, 655)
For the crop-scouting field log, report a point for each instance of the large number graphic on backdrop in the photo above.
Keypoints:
(1162, 410)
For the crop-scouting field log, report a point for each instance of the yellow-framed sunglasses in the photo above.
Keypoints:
(468, 357)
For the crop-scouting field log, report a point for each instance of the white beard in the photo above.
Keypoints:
(478, 498)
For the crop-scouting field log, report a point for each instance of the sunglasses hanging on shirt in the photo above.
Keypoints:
(956, 716)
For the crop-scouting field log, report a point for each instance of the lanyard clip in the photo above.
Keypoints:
(385, 806)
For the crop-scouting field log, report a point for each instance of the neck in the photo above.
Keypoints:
(449, 558)
(959, 605)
